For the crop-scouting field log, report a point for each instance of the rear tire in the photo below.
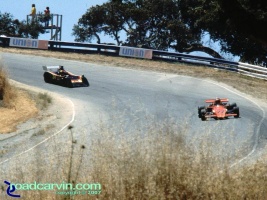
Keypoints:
(68, 83)
(47, 77)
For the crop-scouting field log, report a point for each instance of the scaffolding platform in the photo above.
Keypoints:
(55, 25)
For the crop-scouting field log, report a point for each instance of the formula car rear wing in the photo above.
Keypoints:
(51, 68)
(223, 100)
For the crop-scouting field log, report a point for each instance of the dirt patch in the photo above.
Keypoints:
(23, 108)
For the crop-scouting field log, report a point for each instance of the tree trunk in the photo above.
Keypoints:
(199, 47)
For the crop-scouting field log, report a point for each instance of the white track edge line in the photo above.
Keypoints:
(72, 119)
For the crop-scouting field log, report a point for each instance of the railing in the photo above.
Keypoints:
(113, 50)
(54, 24)
(86, 48)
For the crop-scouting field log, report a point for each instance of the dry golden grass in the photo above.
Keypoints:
(157, 164)
(43, 100)
(7, 93)
(162, 164)
(15, 105)
(22, 109)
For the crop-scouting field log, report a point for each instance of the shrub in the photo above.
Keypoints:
(7, 93)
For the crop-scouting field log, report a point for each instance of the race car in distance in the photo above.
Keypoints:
(58, 75)
(218, 109)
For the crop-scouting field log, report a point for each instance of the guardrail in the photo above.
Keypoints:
(86, 48)
(113, 50)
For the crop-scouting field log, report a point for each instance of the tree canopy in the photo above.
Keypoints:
(156, 24)
(238, 25)
(15, 28)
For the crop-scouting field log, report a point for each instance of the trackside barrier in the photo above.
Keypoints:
(86, 48)
(28, 43)
(113, 50)
(252, 70)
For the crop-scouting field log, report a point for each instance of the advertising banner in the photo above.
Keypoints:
(136, 52)
(28, 43)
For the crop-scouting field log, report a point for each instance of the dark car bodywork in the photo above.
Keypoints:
(54, 75)
(222, 110)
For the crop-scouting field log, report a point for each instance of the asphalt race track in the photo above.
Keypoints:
(132, 97)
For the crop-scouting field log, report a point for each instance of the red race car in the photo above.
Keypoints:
(218, 109)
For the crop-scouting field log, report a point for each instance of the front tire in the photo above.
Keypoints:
(200, 108)
(68, 83)
(231, 106)
(202, 115)
(236, 111)
(203, 118)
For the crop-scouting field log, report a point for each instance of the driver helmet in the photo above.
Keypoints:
(217, 101)
(61, 68)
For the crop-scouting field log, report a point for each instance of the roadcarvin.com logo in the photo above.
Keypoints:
(11, 189)
(63, 188)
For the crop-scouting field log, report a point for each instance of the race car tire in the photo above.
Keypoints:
(200, 108)
(202, 114)
(68, 83)
(236, 111)
(203, 118)
(47, 77)
(231, 106)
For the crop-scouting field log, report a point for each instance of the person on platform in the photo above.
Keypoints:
(33, 12)
(46, 16)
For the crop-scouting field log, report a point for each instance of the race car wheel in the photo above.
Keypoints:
(68, 83)
(202, 114)
(231, 106)
(203, 118)
(199, 110)
(47, 77)
(236, 111)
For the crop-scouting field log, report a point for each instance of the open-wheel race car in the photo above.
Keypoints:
(218, 109)
(58, 75)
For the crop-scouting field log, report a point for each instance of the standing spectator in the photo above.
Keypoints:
(47, 16)
(33, 12)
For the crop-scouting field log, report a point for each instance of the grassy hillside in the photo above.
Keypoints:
(160, 164)
(16, 106)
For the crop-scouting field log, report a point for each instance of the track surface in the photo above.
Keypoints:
(132, 97)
